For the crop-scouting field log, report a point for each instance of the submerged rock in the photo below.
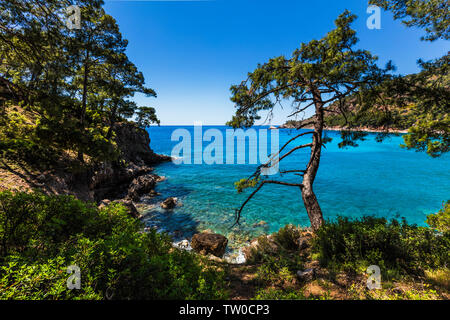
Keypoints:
(213, 243)
(260, 224)
(169, 203)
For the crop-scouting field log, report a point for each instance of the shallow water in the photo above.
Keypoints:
(379, 179)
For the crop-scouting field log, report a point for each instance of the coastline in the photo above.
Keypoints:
(361, 129)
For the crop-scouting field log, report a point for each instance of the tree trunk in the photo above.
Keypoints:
(84, 100)
(309, 198)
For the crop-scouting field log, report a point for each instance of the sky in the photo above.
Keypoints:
(191, 52)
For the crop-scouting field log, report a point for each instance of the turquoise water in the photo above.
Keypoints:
(379, 179)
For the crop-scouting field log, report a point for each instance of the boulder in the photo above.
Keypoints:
(306, 275)
(209, 243)
(304, 242)
(169, 203)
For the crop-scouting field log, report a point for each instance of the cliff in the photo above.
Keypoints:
(128, 177)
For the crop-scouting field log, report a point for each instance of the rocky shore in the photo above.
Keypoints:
(125, 179)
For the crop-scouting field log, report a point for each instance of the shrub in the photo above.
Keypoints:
(42, 235)
(288, 237)
(278, 257)
(397, 248)
(440, 220)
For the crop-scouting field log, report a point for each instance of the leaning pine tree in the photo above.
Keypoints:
(320, 73)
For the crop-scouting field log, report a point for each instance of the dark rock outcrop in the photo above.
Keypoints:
(141, 185)
(116, 181)
(94, 182)
(134, 144)
(169, 203)
(209, 243)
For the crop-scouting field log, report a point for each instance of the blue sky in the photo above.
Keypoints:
(191, 52)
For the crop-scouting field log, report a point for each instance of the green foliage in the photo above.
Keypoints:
(278, 257)
(72, 85)
(40, 236)
(440, 220)
(316, 69)
(397, 248)
(37, 280)
(288, 237)
(433, 15)
(146, 116)
(243, 184)
(279, 294)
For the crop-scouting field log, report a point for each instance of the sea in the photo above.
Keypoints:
(379, 179)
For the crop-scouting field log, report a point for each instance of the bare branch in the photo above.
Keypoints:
(238, 211)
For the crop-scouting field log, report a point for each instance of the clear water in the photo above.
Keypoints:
(379, 179)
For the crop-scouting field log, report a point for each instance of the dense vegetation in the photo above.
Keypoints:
(63, 90)
(41, 236)
(407, 255)
(395, 247)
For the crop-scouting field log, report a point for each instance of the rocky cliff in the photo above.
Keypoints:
(129, 177)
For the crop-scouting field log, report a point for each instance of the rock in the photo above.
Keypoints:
(306, 275)
(183, 244)
(213, 243)
(141, 185)
(134, 145)
(104, 203)
(260, 224)
(398, 290)
(248, 250)
(169, 203)
(215, 258)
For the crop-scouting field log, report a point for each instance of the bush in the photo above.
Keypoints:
(288, 237)
(42, 235)
(278, 257)
(397, 248)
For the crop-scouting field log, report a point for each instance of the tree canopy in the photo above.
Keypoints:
(71, 85)
(433, 15)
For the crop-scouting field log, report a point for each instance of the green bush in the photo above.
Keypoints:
(278, 256)
(279, 294)
(288, 237)
(441, 220)
(397, 248)
(40, 236)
